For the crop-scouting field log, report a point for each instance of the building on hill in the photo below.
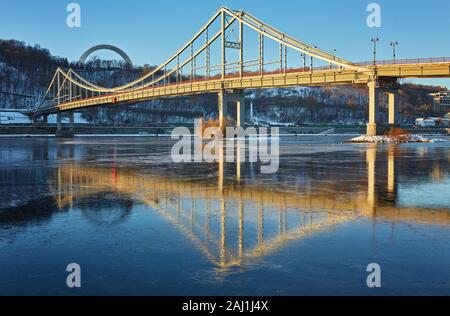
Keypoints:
(441, 104)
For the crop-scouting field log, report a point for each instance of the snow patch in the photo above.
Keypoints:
(394, 139)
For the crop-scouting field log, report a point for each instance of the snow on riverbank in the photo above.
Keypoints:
(364, 139)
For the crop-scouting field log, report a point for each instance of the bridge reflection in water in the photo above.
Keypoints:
(233, 224)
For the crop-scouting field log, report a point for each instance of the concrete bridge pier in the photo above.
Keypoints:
(393, 107)
(373, 127)
(58, 122)
(36, 120)
(60, 131)
(227, 97)
(71, 121)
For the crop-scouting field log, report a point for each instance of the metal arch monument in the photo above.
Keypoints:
(115, 49)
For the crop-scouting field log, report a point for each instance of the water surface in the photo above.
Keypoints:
(137, 223)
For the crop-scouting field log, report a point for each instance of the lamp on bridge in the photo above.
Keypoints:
(334, 57)
(374, 41)
(312, 60)
(394, 46)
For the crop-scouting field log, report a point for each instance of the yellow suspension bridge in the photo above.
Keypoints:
(192, 70)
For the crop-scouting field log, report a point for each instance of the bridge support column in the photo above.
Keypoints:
(71, 121)
(373, 108)
(232, 97)
(60, 132)
(223, 108)
(58, 122)
(39, 120)
(393, 107)
(241, 111)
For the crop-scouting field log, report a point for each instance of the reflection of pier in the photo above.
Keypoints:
(387, 208)
(232, 224)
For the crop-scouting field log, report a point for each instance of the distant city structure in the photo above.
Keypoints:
(441, 103)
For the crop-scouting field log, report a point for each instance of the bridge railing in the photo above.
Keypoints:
(406, 61)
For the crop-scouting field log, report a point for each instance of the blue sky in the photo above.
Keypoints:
(150, 31)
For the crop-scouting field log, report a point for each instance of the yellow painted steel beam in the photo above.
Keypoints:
(425, 70)
(317, 78)
(249, 82)
(270, 32)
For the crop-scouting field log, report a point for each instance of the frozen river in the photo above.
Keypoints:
(137, 223)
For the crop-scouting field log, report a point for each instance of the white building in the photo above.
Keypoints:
(421, 122)
(9, 118)
(433, 122)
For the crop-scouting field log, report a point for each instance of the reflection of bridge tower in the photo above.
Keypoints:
(229, 226)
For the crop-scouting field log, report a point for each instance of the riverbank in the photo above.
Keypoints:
(90, 130)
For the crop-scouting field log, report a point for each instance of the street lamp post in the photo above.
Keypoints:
(374, 41)
(334, 57)
(394, 47)
(303, 56)
(312, 61)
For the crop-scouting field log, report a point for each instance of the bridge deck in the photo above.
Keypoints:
(289, 78)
